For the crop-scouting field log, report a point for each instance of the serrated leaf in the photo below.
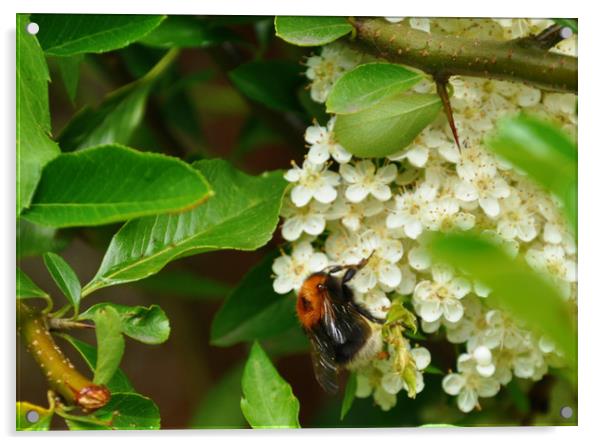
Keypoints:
(70, 34)
(268, 400)
(69, 69)
(368, 84)
(114, 120)
(544, 152)
(242, 215)
(253, 311)
(35, 148)
(125, 411)
(118, 116)
(110, 344)
(118, 383)
(515, 287)
(113, 183)
(145, 324)
(311, 31)
(34, 240)
(64, 277)
(349, 397)
(220, 406)
(28, 411)
(388, 126)
(270, 82)
(187, 32)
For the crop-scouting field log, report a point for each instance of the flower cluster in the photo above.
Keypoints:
(341, 210)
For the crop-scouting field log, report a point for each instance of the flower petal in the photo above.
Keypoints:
(300, 195)
(356, 193)
(453, 384)
(467, 400)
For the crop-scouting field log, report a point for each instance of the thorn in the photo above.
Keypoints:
(442, 92)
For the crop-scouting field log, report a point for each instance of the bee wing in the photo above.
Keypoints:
(325, 369)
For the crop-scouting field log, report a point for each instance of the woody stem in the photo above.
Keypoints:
(58, 370)
(446, 55)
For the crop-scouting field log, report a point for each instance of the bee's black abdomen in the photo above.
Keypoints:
(355, 341)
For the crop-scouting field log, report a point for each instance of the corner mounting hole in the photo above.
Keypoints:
(32, 28)
(566, 412)
(566, 32)
(32, 416)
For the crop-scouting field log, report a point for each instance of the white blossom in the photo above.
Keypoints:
(468, 384)
(310, 219)
(292, 270)
(364, 179)
(322, 145)
(324, 70)
(312, 181)
(410, 210)
(440, 297)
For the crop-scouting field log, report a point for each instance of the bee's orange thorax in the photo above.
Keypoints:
(310, 300)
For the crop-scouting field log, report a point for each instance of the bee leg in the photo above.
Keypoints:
(352, 269)
(334, 269)
(349, 274)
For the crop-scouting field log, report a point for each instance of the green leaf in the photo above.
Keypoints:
(125, 411)
(519, 398)
(544, 152)
(26, 288)
(28, 411)
(350, 390)
(35, 148)
(64, 277)
(366, 85)
(145, 324)
(118, 383)
(182, 31)
(110, 344)
(117, 117)
(271, 82)
(34, 240)
(185, 284)
(571, 23)
(388, 126)
(311, 31)
(69, 69)
(220, 406)
(112, 121)
(290, 342)
(268, 400)
(242, 215)
(113, 183)
(430, 369)
(514, 286)
(70, 34)
(253, 311)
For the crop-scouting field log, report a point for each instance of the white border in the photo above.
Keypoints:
(590, 188)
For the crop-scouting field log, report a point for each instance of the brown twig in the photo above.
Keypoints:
(58, 370)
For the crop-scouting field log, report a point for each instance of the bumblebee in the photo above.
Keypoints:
(342, 333)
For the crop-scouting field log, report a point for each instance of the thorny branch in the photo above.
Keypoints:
(447, 55)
